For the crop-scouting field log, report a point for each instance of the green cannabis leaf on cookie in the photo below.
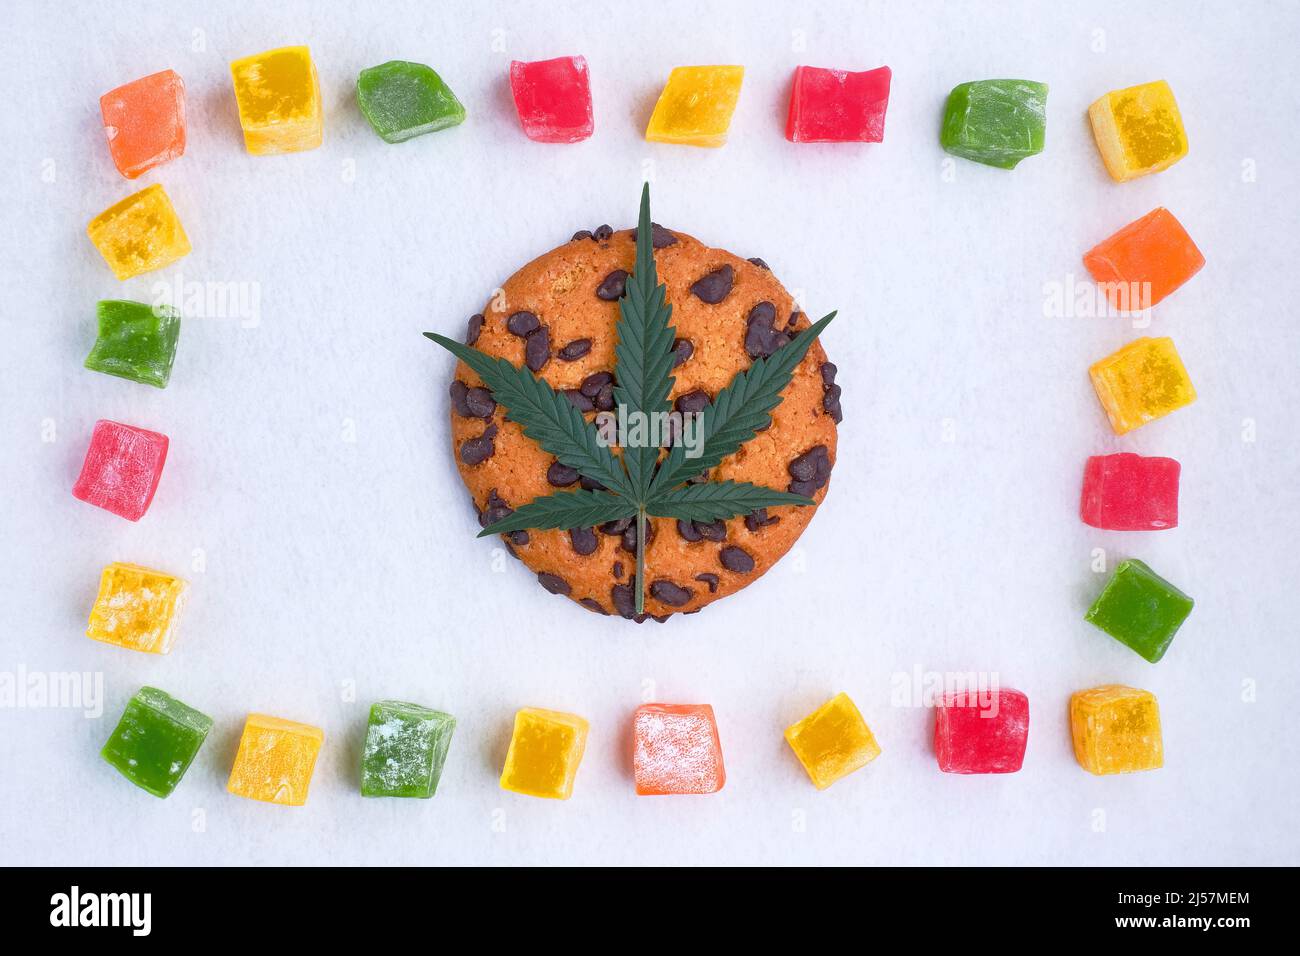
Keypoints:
(638, 484)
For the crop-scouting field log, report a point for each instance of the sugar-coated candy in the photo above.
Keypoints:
(695, 106)
(553, 99)
(981, 731)
(838, 106)
(1127, 492)
(137, 608)
(406, 746)
(156, 740)
(144, 121)
(832, 741)
(402, 99)
(1141, 609)
(1138, 130)
(675, 749)
(1116, 729)
(995, 122)
(275, 760)
(121, 469)
(135, 341)
(139, 234)
(1143, 381)
(544, 753)
(278, 95)
(1145, 261)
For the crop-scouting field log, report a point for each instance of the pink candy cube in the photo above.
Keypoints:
(1126, 492)
(122, 468)
(675, 749)
(835, 106)
(144, 121)
(553, 98)
(981, 731)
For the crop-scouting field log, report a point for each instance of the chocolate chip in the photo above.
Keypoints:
(736, 559)
(473, 329)
(828, 371)
(687, 530)
(628, 543)
(659, 236)
(475, 451)
(458, 390)
(715, 286)
(537, 348)
(612, 286)
(682, 350)
(692, 402)
(761, 338)
(805, 488)
(496, 509)
(674, 595)
(616, 527)
(583, 540)
(593, 383)
(759, 519)
(712, 530)
(602, 233)
(574, 350)
(617, 569)
(579, 401)
(553, 583)
(561, 475)
(591, 604)
(521, 323)
(604, 400)
(581, 234)
(471, 402)
(760, 263)
(810, 471)
(831, 404)
(590, 484)
(624, 600)
(710, 579)
(796, 319)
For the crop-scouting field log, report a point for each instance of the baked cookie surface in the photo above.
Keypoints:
(557, 316)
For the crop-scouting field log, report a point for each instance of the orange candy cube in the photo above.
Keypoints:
(145, 122)
(1145, 261)
(675, 749)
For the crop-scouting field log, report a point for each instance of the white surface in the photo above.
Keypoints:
(339, 569)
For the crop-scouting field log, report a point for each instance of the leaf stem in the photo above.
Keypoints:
(640, 560)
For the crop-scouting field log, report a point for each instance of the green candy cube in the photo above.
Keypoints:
(1141, 609)
(136, 341)
(402, 100)
(406, 745)
(156, 740)
(995, 122)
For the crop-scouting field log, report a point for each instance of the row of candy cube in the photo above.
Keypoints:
(675, 747)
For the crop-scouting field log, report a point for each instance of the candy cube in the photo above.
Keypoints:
(695, 106)
(836, 106)
(121, 469)
(137, 608)
(1141, 609)
(275, 760)
(544, 754)
(139, 234)
(675, 749)
(402, 100)
(832, 741)
(1144, 262)
(1138, 130)
(995, 122)
(1127, 492)
(405, 748)
(278, 96)
(145, 122)
(156, 740)
(1116, 729)
(136, 341)
(1143, 381)
(981, 731)
(553, 99)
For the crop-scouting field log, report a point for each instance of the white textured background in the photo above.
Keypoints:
(309, 467)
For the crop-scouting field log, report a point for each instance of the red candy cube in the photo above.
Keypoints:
(145, 122)
(553, 98)
(835, 106)
(982, 731)
(1128, 492)
(122, 468)
(675, 749)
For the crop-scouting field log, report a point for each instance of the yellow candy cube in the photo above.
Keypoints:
(695, 107)
(1116, 729)
(275, 760)
(136, 608)
(1141, 382)
(544, 754)
(832, 741)
(140, 233)
(279, 101)
(1138, 130)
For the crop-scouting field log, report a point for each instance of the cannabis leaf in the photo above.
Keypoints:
(637, 484)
